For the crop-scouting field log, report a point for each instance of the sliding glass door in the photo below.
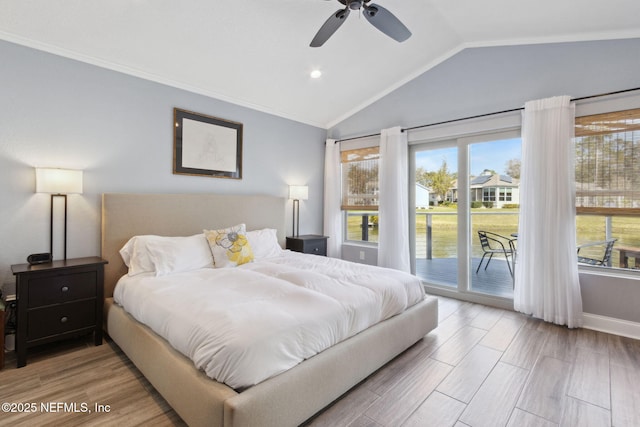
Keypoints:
(436, 215)
(494, 201)
(465, 224)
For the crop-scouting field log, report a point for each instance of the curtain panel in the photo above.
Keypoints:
(546, 274)
(332, 190)
(393, 200)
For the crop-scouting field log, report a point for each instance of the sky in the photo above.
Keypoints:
(485, 155)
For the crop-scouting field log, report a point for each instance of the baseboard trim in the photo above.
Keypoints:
(611, 325)
(596, 322)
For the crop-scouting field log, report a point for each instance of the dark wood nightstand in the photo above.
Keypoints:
(58, 300)
(308, 244)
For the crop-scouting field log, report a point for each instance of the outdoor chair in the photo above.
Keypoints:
(606, 257)
(493, 243)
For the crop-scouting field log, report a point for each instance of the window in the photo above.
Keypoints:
(608, 163)
(360, 178)
(505, 194)
(607, 166)
(359, 168)
(489, 195)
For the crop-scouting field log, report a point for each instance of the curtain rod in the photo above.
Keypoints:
(489, 114)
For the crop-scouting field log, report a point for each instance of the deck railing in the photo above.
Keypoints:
(440, 240)
(426, 239)
(424, 230)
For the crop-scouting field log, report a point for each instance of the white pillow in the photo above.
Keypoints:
(135, 256)
(166, 255)
(126, 251)
(172, 255)
(229, 246)
(264, 243)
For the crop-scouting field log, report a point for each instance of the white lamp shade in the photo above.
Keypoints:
(58, 181)
(298, 192)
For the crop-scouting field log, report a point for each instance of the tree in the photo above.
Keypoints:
(441, 181)
(422, 177)
(512, 168)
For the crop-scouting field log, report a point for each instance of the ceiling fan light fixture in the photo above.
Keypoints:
(355, 4)
(377, 16)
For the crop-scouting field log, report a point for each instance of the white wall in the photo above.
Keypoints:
(62, 113)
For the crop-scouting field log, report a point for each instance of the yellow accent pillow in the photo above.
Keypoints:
(229, 246)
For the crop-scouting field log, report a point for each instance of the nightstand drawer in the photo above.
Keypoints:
(58, 319)
(317, 247)
(61, 288)
(308, 244)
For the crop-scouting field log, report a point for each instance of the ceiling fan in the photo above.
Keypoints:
(378, 16)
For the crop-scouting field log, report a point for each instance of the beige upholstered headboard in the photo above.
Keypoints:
(127, 215)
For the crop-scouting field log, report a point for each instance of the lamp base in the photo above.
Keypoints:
(296, 218)
(64, 196)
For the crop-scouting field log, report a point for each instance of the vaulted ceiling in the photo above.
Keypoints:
(256, 53)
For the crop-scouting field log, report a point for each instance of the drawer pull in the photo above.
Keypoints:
(65, 289)
(64, 319)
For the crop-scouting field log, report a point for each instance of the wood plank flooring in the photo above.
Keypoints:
(481, 367)
(498, 368)
(76, 371)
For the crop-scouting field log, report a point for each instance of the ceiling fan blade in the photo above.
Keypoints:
(386, 22)
(329, 27)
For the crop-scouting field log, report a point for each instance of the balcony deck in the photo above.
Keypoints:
(495, 280)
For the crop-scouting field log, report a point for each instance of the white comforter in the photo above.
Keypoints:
(245, 324)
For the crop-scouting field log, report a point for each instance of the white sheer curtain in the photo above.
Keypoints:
(332, 213)
(546, 275)
(393, 177)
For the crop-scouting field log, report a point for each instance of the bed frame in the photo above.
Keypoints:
(287, 399)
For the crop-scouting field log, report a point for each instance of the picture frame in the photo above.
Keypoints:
(206, 145)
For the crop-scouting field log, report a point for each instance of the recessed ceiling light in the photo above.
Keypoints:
(315, 74)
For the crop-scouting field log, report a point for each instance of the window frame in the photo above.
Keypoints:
(366, 144)
(489, 194)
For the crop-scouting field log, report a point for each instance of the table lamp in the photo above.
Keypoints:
(58, 183)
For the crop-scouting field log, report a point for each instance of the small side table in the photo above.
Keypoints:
(58, 300)
(308, 244)
(627, 252)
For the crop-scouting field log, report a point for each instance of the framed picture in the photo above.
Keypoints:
(206, 146)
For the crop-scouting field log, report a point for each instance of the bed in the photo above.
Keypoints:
(286, 399)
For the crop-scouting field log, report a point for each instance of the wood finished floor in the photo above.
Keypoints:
(76, 371)
(481, 367)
